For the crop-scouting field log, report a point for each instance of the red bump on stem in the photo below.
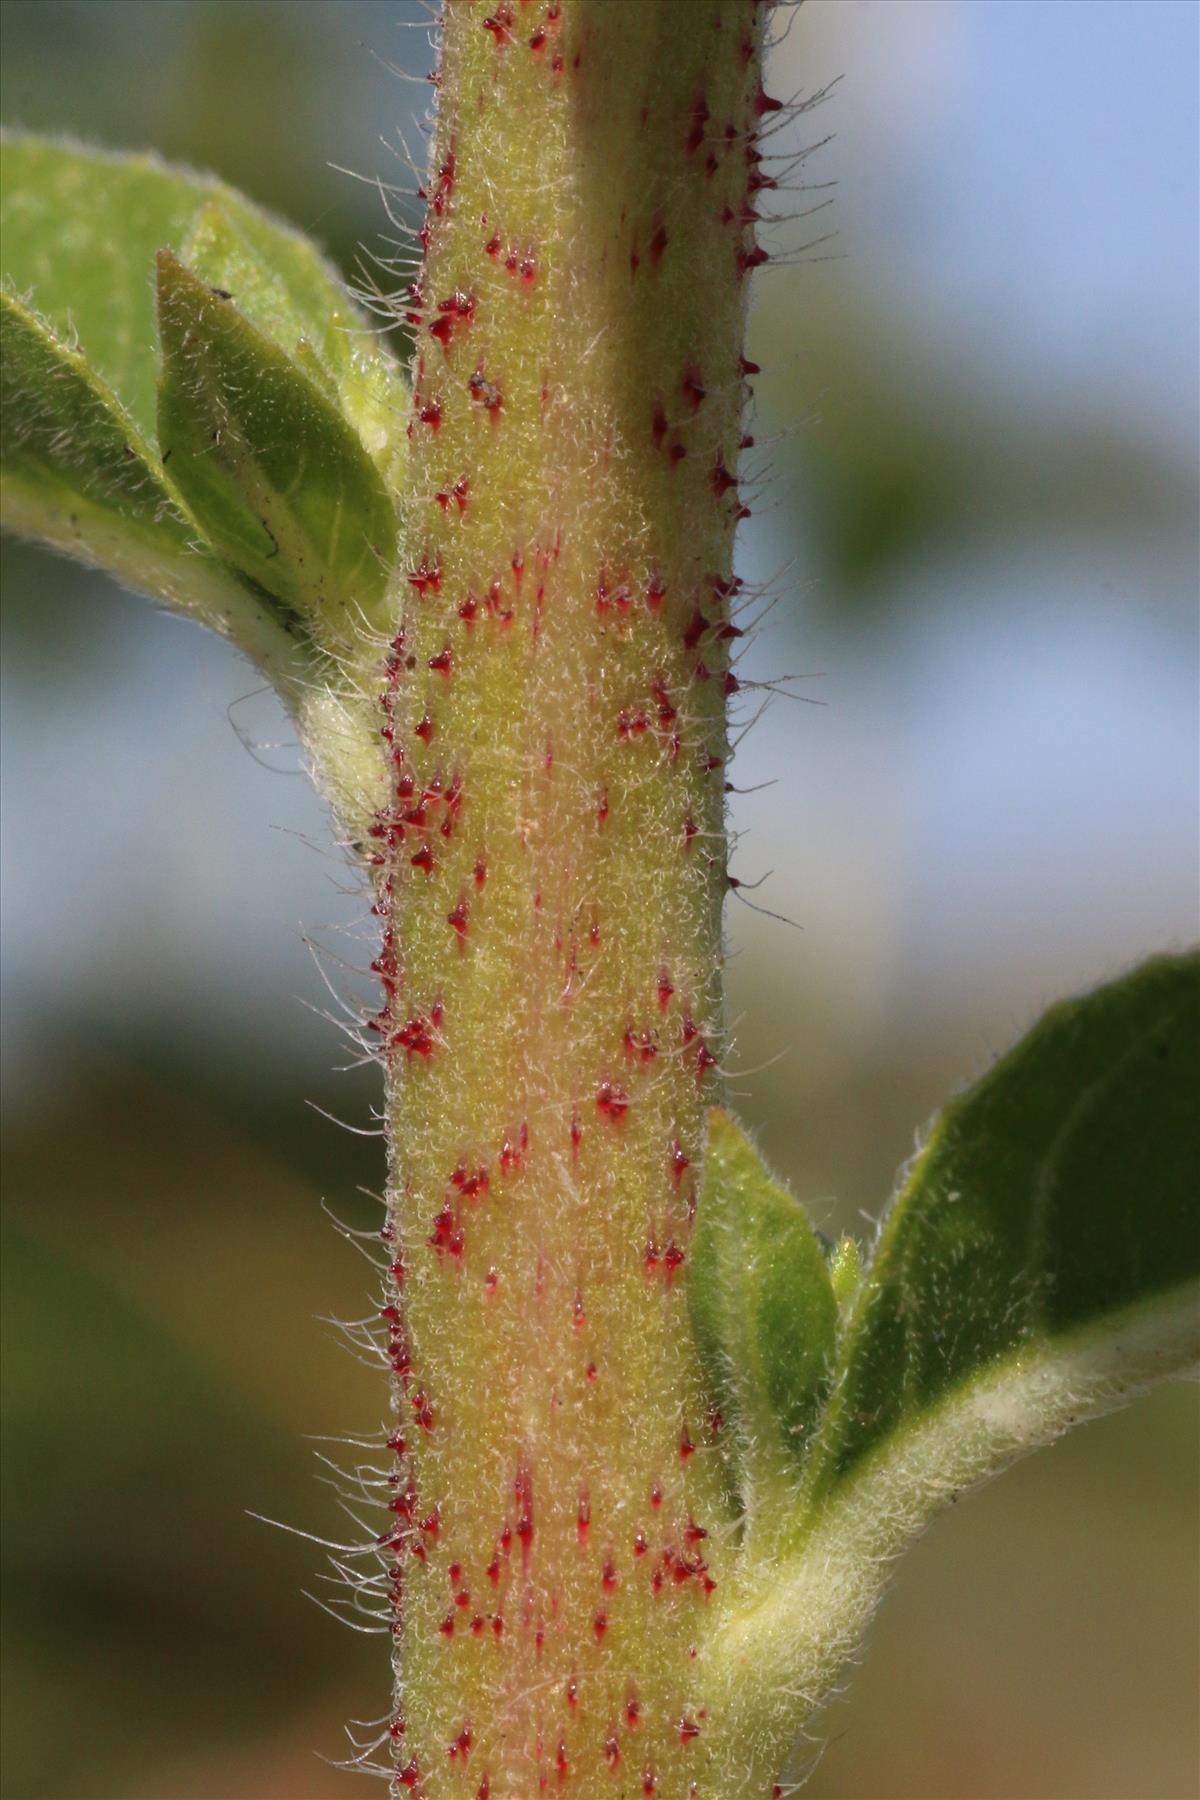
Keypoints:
(485, 393)
(499, 24)
(693, 389)
(612, 1101)
(426, 575)
(447, 1236)
(700, 118)
(523, 1490)
(752, 258)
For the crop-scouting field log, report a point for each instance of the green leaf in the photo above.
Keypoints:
(80, 233)
(276, 476)
(763, 1313)
(1053, 1205)
(278, 280)
(68, 443)
(845, 1271)
(76, 473)
(80, 230)
(1037, 1267)
(280, 283)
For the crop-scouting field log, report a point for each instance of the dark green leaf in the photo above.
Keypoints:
(276, 476)
(762, 1308)
(1056, 1196)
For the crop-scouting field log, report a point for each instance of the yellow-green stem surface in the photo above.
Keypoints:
(551, 874)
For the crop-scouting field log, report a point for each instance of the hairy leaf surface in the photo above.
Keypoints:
(762, 1308)
(1055, 1196)
(80, 231)
(82, 468)
(276, 476)
(76, 473)
(283, 286)
(68, 443)
(1036, 1268)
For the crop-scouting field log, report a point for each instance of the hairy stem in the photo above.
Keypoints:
(551, 865)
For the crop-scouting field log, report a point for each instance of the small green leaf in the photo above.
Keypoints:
(845, 1271)
(80, 230)
(762, 1309)
(277, 279)
(67, 443)
(76, 473)
(1038, 1267)
(1056, 1197)
(284, 287)
(270, 467)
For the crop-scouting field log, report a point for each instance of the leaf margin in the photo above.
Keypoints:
(755, 1256)
(159, 550)
(1172, 980)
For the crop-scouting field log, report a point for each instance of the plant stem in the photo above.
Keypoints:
(551, 866)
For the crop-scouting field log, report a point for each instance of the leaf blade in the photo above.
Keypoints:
(878, 1473)
(81, 228)
(1055, 1193)
(763, 1314)
(803, 1612)
(75, 473)
(275, 474)
(62, 430)
(281, 283)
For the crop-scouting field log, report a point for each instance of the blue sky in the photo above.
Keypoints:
(1028, 170)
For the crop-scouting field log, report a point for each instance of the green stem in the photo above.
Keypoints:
(551, 873)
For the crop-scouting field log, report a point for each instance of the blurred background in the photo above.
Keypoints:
(977, 506)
